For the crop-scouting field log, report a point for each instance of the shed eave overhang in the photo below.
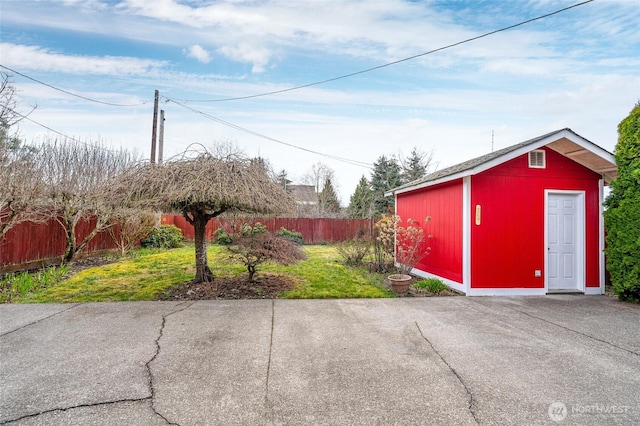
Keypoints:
(565, 142)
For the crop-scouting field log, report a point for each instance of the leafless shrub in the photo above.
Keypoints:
(354, 251)
(132, 227)
(254, 246)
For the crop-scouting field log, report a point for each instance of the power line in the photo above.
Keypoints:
(449, 46)
(260, 135)
(60, 133)
(71, 93)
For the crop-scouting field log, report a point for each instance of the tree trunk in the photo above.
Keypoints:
(99, 227)
(203, 273)
(252, 272)
(71, 248)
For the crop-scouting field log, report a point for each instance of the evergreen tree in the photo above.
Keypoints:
(283, 180)
(385, 176)
(360, 202)
(415, 165)
(622, 216)
(328, 200)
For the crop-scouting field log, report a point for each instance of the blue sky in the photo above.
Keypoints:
(577, 69)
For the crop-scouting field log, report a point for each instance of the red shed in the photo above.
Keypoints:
(524, 220)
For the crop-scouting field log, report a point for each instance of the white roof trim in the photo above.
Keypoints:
(444, 179)
(565, 133)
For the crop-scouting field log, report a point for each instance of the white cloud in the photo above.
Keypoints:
(573, 70)
(38, 58)
(199, 53)
(248, 53)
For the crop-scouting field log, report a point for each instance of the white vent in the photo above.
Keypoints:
(536, 159)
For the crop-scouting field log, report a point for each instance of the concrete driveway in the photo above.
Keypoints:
(455, 360)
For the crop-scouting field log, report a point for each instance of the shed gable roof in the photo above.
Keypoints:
(565, 141)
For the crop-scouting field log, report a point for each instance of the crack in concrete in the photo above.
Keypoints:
(53, 410)
(575, 331)
(455, 373)
(150, 398)
(266, 386)
(40, 320)
(153, 358)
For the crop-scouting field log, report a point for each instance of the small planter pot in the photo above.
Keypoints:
(400, 283)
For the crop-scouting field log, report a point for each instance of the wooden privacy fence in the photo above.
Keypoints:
(313, 230)
(31, 244)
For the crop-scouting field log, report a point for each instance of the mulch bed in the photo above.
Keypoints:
(267, 286)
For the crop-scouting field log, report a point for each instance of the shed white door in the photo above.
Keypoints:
(565, 251)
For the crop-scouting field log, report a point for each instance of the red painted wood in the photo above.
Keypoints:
(313, 230)
(45, 242)
(33, 242)
(508, 246)
(444, 204)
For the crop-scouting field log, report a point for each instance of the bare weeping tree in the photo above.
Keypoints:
(77, 176)
(21, 187)
(202, 186)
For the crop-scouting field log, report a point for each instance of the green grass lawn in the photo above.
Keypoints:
(146, 275)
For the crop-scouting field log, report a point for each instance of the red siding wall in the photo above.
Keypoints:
(508, 245)
(444, 204)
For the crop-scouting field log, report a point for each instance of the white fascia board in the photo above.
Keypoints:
(444, 179)
(590, 146)
(527, 148)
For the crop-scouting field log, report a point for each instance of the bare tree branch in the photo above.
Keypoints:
(78, 178)
(203, 187)
(21, 187)
(9, 115)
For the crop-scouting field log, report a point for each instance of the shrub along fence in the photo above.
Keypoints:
(30, 244)
(313, 230)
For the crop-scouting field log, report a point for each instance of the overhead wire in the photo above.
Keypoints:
(449, 46)
(71, 93)
(260, 135)
(25, 117)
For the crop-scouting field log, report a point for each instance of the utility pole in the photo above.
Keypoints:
(161, 137)
(154, 128)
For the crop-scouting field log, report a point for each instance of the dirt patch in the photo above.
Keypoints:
(267, 286)
(81, 264)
